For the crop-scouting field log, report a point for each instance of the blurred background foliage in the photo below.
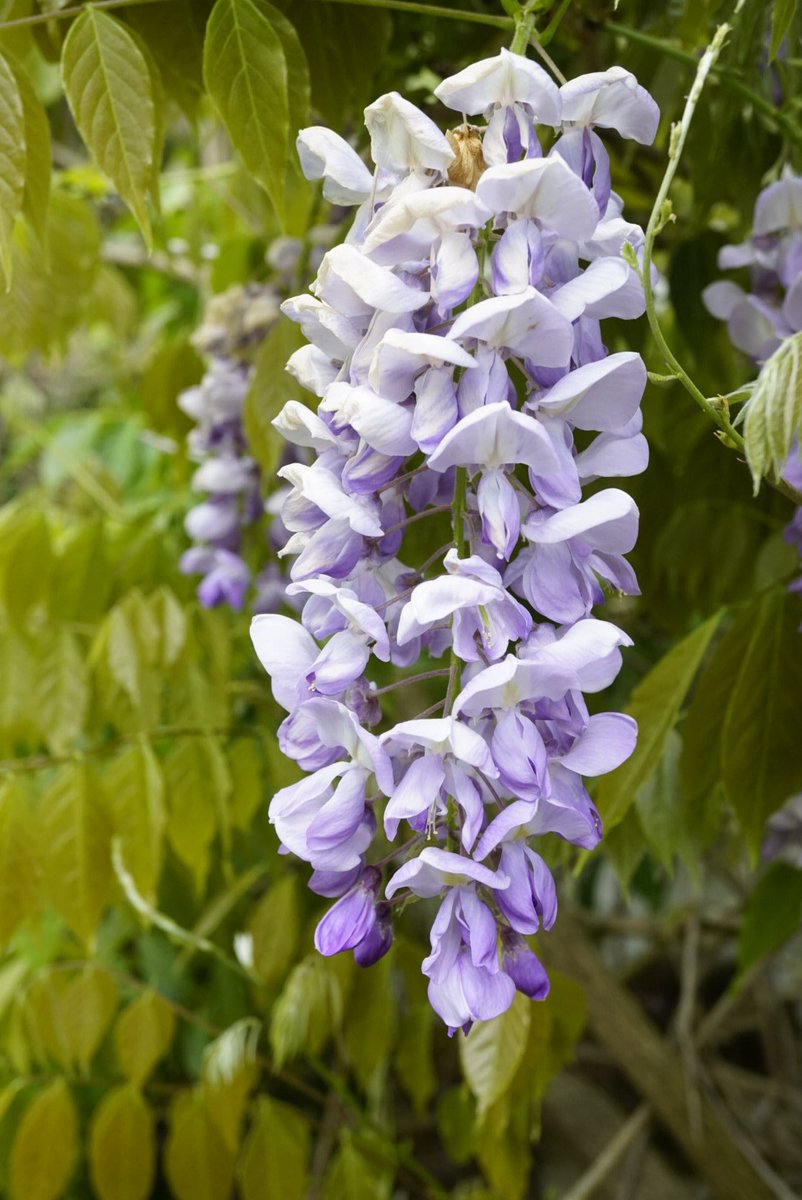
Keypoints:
(166, 1028)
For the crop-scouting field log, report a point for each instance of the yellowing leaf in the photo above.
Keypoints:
(247, 791)
(230, 1073)
(43, 1009)
(12, 160)
(274, 1158)
(122, 1157)
(245, 68)
(370, 1027)
(142, 1035)
(492, 1052)
(27, 562)
(199, 1163)
(45, 1145)
(87, 1005)
(109, 88)
(78, 843)
(20, 870)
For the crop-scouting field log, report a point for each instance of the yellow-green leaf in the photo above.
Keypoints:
(192, 805)
(36, 196)
(275, 926)
(246, 764)
(199, 1163)
(774, 412)
(44, 1147)
(136, 786)
(87, 1006)
(78, 843)
(245, 69)
(20, 870)
(122, 1158)
(12, 160)
(110, 91)
(230, 1073)
(142, 1036)
(274, 1158)
(492, 1052)
(62, 689)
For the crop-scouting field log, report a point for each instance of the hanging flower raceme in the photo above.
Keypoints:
(455, 346)
(760, 320)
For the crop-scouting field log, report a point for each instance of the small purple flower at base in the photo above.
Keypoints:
(523, 966)
(352, 918)
(378, 940)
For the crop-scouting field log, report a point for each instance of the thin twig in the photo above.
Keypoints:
(614, 1151)
(61, 14)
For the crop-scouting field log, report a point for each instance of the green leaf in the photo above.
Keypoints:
(274, 1158)
(456, 1123)
(12, 161)
(122, 1154)
(414, 1055)
(345, 48)
(655, 704)
(27, 563)
(44, 1147)
(761, 764)
(773, 914)
(142, 1036)
(354, 1175)
(110, 92)
(172, 367)
(246, 764)
(275, 926)
(310, 1007)
(88, 1004)
(782, 14)
(245, 68)
(198, 1162)
(44, 1018)
(271, 388)
(774, 412)
(192, 805)
(20, 871)
(51, 293)
(171, 33)
(136, 787)
(77, 836)
(38, 155)
(492, 1052)
(369, 1029)
(80, 573)
(230, 1073)
(62, 690)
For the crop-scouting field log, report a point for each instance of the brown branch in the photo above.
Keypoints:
(654, 1068)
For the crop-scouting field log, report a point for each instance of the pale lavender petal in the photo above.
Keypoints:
(607, 742)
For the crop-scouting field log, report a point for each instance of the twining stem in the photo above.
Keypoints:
(545, 36)
(75, 11)
(716, 410)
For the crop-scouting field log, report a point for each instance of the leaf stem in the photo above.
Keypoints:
(524, 28)
(75, 11)
(548, 33)
(435, 10)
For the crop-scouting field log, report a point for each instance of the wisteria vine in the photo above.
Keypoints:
(454, 343)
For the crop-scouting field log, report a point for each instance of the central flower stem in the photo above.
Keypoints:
(524, 28)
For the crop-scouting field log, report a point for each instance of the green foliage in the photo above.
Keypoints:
(774, 414)
(109, 87)
(136, 729)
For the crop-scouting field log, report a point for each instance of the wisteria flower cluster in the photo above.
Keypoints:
(760, 320)
(455, 346)
(234, 324)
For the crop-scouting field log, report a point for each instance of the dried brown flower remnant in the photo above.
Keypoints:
(467, 167)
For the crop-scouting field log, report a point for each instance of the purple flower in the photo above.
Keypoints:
(456, 350)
